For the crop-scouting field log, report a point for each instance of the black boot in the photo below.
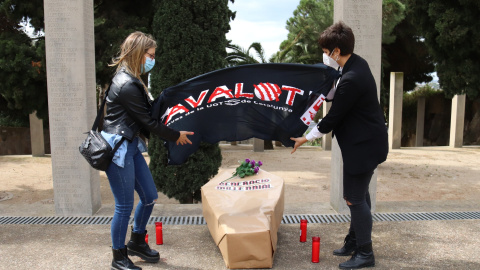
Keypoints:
(138, 247)
(121, 261)
(362, 257)
(349, 246)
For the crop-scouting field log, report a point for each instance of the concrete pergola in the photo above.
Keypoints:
(69, 35)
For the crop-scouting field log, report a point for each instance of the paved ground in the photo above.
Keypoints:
(398, 245)
(446, 244)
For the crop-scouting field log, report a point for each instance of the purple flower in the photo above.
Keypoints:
(252, 162)
(247, 160)
(259, 163)
(256, 170)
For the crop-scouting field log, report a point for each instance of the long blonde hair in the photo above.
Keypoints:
(132, 54)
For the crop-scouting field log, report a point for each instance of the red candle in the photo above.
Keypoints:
(315, 249)
(159, 233)
(146, 238)
(303, 230)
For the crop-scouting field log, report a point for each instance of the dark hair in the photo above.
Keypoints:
(338, 35)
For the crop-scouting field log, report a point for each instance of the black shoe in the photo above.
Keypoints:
(362, 257)
(138, 247)
(121, 261)
(349, 246)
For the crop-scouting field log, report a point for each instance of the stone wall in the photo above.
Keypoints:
(16, 141)
(437, 123)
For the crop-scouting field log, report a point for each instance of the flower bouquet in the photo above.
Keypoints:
(247, 167)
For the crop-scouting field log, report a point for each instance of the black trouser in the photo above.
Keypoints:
(355, 191)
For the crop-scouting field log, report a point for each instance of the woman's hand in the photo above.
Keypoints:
(298, 142)
(183, 138)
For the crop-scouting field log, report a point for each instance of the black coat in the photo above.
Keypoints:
(356, 119)
(128, 110)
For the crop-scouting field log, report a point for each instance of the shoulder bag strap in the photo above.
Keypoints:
(99, 114)
(118, 145)
(100, 111)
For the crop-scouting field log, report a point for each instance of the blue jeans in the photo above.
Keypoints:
(123, 181)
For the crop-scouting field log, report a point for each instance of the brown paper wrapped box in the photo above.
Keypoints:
(243, 216)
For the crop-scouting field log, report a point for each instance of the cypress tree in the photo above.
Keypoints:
(114, 21)
(191, 41)
(450, 32)
(23, 84)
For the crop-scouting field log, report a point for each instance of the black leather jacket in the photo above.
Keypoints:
(128, 110)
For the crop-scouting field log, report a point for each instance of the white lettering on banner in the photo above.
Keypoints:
(239, 92)
(257, 184)
(195, 103)
(292, 91)
(263, 91)
(221, 91)
(308, 116)
(273, 107)
(175, 110)
(267, 91)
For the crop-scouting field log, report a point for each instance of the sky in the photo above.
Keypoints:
(261, 21)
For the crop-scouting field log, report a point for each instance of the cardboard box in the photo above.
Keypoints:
(243, 216)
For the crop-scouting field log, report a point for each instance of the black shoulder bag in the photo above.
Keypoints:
(95, 149)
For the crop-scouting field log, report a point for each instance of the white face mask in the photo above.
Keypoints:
(328, 61)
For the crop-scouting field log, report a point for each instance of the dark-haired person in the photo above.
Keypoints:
(356, 120)
(128, 115)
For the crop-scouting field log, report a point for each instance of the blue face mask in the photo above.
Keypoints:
(149, 63)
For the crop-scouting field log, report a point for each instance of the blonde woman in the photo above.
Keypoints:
(128, 115)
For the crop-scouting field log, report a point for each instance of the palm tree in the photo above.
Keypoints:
(297, 51)
(239, 56)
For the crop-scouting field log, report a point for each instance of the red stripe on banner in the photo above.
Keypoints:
(175, 110)
(221, 91)
(276, 90)
(239, 92)
(262, 96)
(268, 91)
(291, 93)
(190, 100)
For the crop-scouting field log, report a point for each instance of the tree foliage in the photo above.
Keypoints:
(239, 56)
(114, 21)
(402, 50)
(23, 78)
(23, 85)
(408, 54)
(191, 41)
(309, 20)
(451, 30)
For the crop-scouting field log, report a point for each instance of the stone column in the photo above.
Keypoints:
(395, 110)
(258, 145)
(420, 122)
(457, 121)
(37, 141)
(327, 138)
(365, 19)
(70, 52)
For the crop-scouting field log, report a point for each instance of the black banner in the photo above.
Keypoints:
(265, 101)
